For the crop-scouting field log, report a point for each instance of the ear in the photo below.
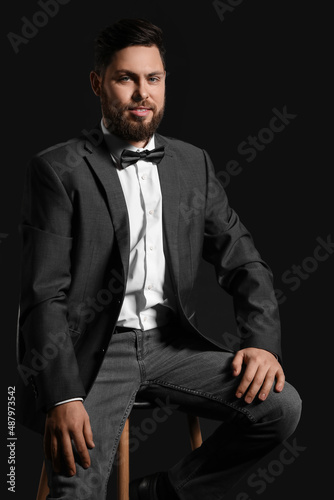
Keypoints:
(96, 82)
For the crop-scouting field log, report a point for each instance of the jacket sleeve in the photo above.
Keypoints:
(47, 357)
(240, 270)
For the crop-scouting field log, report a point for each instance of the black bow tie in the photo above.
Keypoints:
(130, 157)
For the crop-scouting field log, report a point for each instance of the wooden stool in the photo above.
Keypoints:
(123, 468)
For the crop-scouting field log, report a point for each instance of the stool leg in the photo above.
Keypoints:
(123, 471)
(195, 431)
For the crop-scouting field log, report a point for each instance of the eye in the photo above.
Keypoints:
(153, 79)
(124, 78)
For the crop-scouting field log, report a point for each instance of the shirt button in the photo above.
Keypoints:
(150, 287)
(144, 318)
(151, 248)
(151, 212)
(144, 177)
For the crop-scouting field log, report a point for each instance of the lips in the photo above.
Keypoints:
(140, 111)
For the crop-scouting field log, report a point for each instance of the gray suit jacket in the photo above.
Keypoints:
(75, 253)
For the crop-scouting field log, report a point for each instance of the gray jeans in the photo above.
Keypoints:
(193, 375)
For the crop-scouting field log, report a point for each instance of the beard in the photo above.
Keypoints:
(135, 129)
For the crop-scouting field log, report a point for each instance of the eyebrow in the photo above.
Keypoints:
(131, 73)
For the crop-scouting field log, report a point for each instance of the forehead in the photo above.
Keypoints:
(137, 59)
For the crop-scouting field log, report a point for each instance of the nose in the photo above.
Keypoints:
(141, 92)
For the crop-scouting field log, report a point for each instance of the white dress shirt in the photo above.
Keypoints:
(148, 296)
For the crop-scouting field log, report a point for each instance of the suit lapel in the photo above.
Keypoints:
(100, 161)
(170, 188)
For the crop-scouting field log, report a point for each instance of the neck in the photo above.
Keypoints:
(139, 144)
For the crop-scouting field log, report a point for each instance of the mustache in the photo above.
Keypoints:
(140, 104)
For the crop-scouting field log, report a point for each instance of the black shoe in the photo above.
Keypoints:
(144, 488)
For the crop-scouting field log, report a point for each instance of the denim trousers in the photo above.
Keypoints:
(193, 375)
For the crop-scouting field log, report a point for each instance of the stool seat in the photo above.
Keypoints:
(143, 405)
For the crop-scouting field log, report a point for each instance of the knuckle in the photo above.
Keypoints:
(67, 454)
(81, 449)
(75, 428)
(271, 375)
(59, 431)
(266, 388)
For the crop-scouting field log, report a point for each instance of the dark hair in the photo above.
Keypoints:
(126, 33)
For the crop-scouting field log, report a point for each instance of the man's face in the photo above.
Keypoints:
(132, 93)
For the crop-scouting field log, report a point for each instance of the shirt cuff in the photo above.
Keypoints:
(68, 401)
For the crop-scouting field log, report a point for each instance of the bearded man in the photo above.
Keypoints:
(111, 246)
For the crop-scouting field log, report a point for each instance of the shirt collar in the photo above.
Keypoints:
(116, 144)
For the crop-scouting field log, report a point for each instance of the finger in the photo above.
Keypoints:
(88, 434)
(258, 380)
(267, 385)
(237, 363)
(247, 379)
(68, 456)
(280, 380)
(81, 448)
(55, 458)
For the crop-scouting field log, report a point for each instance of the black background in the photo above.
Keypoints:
(224, 79)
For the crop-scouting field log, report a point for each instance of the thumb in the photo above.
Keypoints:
(88, 434)
(237, 363)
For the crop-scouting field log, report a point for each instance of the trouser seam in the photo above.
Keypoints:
(118, 435)
(140, 353)
(206, 395)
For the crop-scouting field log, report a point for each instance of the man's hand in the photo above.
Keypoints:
(63, 423)
(261, 370)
